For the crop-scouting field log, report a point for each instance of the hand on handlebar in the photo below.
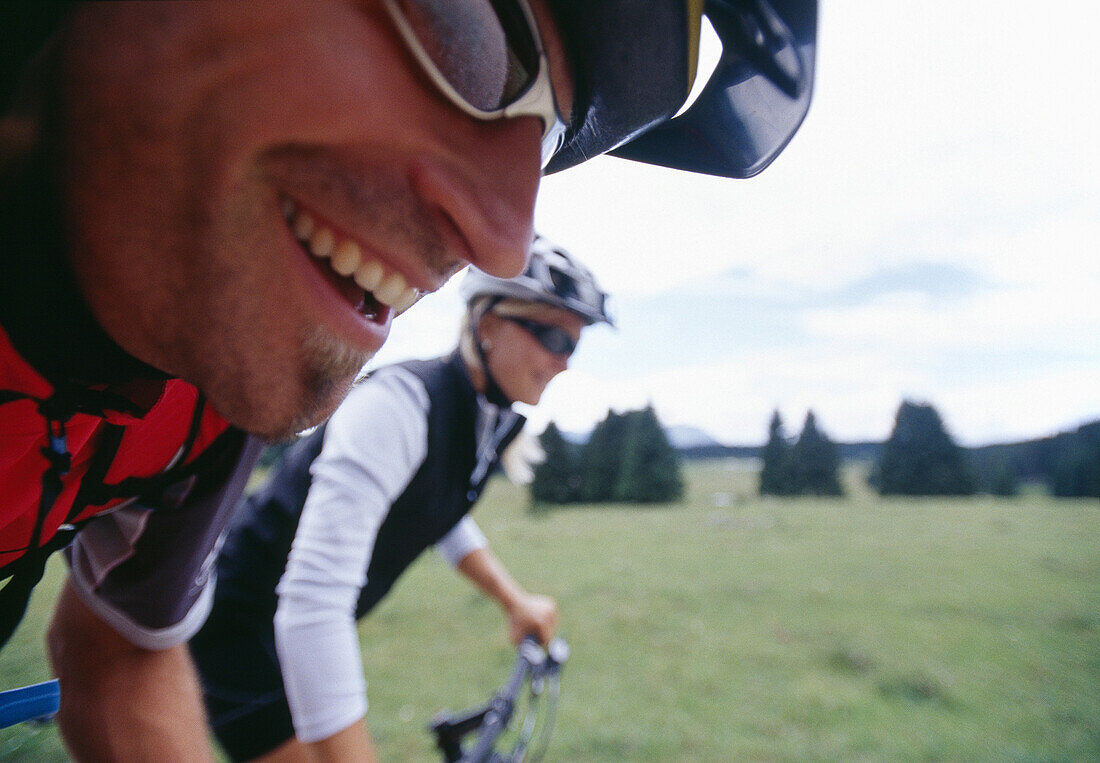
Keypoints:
(533, 615)
(531, 691)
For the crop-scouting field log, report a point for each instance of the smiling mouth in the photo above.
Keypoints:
(366, 283)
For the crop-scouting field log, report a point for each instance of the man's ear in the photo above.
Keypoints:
(487, 327)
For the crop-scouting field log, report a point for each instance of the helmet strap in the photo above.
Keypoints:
(493, 393)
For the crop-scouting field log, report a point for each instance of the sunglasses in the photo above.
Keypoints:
(486, 57)
(555, 339)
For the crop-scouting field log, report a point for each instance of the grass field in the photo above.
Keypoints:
(734, 628)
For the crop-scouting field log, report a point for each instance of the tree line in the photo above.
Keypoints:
(627, 458)
(809, 466)
(1068, 463)
(921, 458)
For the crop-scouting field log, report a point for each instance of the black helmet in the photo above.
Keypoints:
(635, 63)
(552, 277)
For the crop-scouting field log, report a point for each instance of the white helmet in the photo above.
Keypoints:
(552, 277)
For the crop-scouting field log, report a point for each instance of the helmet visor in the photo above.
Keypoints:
(755, 100)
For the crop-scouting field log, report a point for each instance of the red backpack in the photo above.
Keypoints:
(70, 453)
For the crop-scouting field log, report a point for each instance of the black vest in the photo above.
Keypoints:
(442, 491)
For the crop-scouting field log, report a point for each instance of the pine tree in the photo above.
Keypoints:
(815, 461)
(1003, 480)
(775, 475)
(920, 458)
(1075, 472)
(601, 457)
(649, 470)
(557, 479)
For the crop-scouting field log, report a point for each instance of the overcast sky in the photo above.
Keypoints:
(931, 234)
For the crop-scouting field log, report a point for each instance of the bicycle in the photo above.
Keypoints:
(37, 703)
(34, 705)
(534, 668)
(537, 670)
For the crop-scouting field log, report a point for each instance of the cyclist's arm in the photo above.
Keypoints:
(120, 701)
(527, 613)
(373, 446)
(352, 745)
(137, 590)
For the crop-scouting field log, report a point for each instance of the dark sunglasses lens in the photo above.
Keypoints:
(485, 49)
(554, 339)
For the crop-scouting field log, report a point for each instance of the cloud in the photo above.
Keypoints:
(934, 280)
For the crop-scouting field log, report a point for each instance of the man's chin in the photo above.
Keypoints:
(329, 368)
(314, 417)
(281, 426)
(276, 412)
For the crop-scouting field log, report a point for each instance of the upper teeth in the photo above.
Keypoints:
(345, 257)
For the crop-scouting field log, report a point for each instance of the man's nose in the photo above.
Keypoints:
(489, 192)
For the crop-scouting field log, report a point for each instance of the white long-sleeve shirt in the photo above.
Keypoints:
(373, 446)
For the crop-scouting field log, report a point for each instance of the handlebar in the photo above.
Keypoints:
(534, 667)
(37, 702)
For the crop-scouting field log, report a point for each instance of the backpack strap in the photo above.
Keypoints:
(29, 568)
(25, 573)
(95, 491)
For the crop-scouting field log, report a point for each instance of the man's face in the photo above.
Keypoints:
(206, 147)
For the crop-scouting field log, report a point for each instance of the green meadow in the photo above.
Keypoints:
(730, 627)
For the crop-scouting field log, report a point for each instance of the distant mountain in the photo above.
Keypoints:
(682, 437)
(849, 451)
(577, 438)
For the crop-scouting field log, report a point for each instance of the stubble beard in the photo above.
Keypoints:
(328, 368)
